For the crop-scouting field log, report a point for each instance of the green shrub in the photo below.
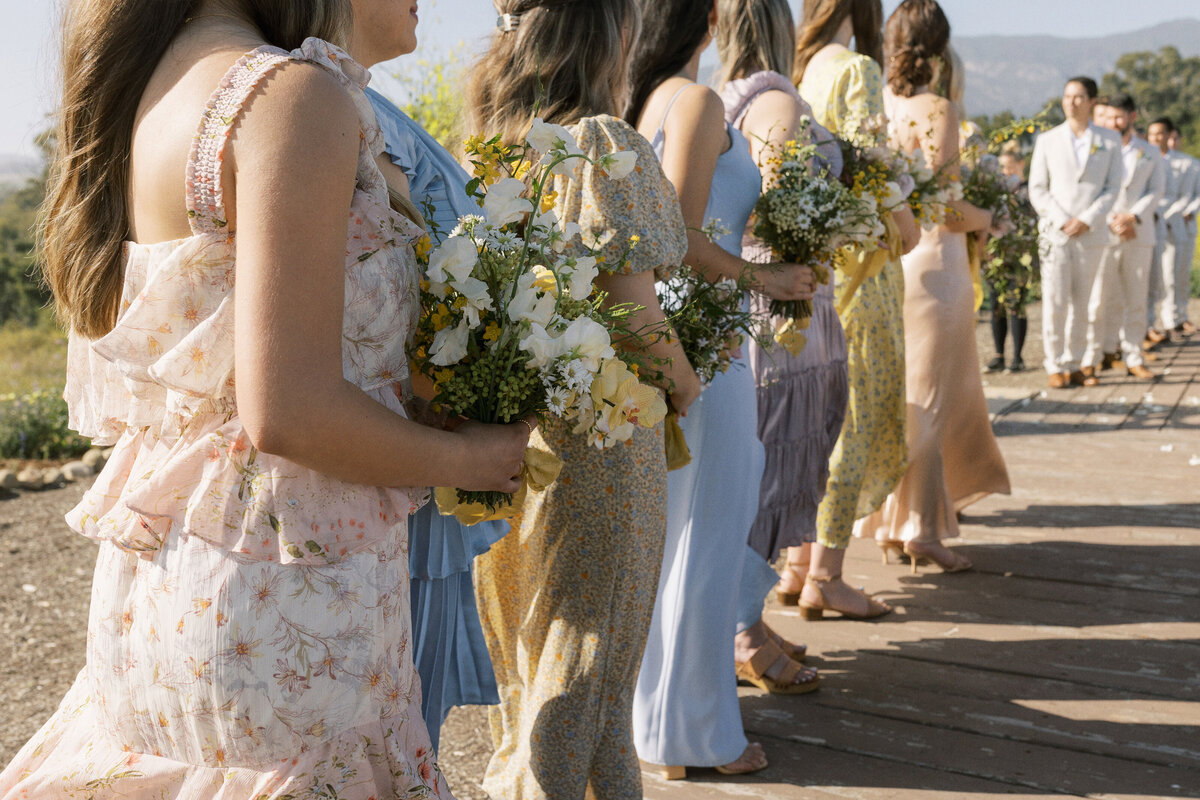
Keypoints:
(34, 425)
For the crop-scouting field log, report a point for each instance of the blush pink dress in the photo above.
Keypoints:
(249, 626)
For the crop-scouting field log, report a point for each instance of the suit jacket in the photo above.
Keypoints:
(1141, 191)
(1060, 189)
(1192, 209)
(1186, 188)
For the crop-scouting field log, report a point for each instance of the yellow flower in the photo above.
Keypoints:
(441, 376)
(548, 201)
(423, 246)
(544, 279)
(425, 284)
(492, 332)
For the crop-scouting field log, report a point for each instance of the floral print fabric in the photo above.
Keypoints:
(566, 597)
(870, 455)
(250, 625)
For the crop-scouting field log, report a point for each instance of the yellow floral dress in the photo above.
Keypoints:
(566, 598)
(870, 455)
(249, 629)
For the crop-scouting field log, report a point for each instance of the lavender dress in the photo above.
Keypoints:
(801, 399)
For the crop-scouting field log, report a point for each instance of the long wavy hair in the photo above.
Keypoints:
(110, 49)
(754, 35)
(671, 32)
(821, 20)
(915, 41)
(564, 61)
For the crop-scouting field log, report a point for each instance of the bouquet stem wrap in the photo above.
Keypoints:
(678, 453)
(975, 265)
(539, 470)
(860, 264)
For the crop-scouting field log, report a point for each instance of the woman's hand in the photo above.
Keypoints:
(497, 454)
(784, 281)
(687, 389)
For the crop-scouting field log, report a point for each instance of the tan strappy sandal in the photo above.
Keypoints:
(754, 671)
(813, 613)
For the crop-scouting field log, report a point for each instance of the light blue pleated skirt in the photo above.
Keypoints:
(448, 646)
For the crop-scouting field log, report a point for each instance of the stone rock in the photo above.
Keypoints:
(76, 471)
(95, 459)
(30, 478)
(52, 477)
(9, 479)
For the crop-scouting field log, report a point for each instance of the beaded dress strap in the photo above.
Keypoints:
(206, 209)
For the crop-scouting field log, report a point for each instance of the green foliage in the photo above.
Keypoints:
(435, 91)
(34, 357)
(21, 291)
(1162, 84)
(34, 425)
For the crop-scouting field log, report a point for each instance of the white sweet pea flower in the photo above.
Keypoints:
(894, 195)
(543, 348)
(546, 136)
(450, 344)
(476, 294)
(503, 203)
(530, 304)
(618, 165)
(452, 260)
(570, 231)
(588, 341)
(579, 285)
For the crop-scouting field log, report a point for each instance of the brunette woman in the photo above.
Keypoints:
(953, 456)
(686, 711)
(566, 596)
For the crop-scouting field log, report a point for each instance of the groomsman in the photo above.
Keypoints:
(1172, 250)
(1184, 254)
(1118, 299)
(1074, 178)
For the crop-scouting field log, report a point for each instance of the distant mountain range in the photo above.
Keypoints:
(1020, 73)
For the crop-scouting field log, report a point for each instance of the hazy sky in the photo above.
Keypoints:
(27, 47)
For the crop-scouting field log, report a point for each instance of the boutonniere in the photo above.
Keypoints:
(1095, 149)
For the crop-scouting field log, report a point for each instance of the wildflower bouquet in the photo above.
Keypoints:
(708, 318)
(511, 324)
(932, 190)
(876, 175)
(805, 216)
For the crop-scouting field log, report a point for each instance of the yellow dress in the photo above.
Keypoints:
(566, 597)
(870, 456)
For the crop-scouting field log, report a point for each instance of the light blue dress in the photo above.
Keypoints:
(448, 646)
(686, 705)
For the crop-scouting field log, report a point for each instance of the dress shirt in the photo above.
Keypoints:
(1129, 155)
(1081, 146)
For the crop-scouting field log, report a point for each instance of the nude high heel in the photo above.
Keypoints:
(886, 547)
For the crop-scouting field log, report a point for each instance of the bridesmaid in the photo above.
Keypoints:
(448, 647)
(240, 296)
(566, 597)
(686, 708)
(953, 456)
(845, 89)
(801, 399)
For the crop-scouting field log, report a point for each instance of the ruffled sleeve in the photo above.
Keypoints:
(610, 212)
(858, 97)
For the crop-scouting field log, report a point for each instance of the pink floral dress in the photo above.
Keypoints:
(249, 630)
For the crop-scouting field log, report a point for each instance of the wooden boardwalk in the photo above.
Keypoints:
(1066, 665)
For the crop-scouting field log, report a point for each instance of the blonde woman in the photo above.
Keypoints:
(801, 399)
(845, 90)
(566, 597)
(249, 630)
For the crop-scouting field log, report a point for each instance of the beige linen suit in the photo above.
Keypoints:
(1061, 188)
(1117, 307)
(1181, 228)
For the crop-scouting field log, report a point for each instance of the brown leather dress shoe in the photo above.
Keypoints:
(1140, 373)
(1155, 337)
(1059, 380)
(1186, 328)
(1107, 361)
(1080, 379)
(1088, 372)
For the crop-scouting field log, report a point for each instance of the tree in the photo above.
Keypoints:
(1162, 84)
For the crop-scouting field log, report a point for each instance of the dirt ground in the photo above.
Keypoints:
(45, 580)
